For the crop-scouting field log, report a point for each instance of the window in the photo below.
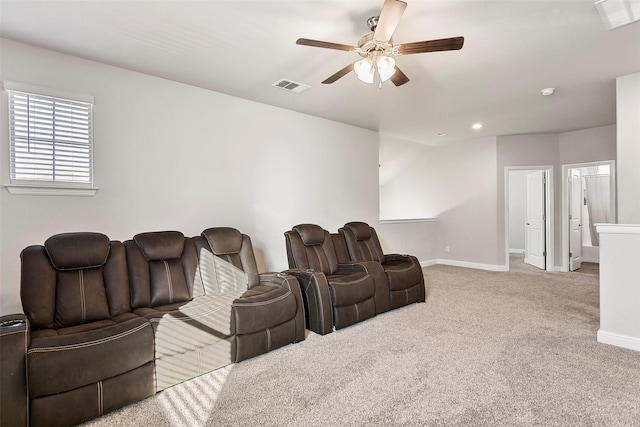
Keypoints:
(50, 141)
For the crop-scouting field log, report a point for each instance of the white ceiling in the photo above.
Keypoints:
(512, 50)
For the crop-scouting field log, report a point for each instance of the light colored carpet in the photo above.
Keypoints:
(486, 349)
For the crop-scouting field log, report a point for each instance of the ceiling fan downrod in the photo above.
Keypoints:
(373, 23)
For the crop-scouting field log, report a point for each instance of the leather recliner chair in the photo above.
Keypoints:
(270, 312)
(336, 294)
(207, 303)
(404, 273)
(87, 353)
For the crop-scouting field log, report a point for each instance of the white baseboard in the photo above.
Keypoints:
(466, 264)
(624, 341)
(594, 260)
(428, 263)
(516, 251)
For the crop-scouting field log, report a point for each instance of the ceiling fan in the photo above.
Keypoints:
(377, 48)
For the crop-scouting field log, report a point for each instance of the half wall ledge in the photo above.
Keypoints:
(619, 285)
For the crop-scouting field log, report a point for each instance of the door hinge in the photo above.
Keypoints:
(570, 255)
(544, 253)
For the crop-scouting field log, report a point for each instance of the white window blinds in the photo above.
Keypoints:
(51, 139)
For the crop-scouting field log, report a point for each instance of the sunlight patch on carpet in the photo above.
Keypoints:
(191, 403)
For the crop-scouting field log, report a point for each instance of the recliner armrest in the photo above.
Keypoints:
(281, 279)
(14, 340)
(375, 270)
(285, 280)
(317, 301)
(397, 257)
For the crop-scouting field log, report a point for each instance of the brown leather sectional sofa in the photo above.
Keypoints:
(108, 323)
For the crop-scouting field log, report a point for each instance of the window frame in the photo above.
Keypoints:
(49, 187)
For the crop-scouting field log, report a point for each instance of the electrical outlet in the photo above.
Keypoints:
(447, 249)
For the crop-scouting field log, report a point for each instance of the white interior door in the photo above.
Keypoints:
(575, 219)
(534, 244)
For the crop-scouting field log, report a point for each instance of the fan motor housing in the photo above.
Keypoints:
(367, 45)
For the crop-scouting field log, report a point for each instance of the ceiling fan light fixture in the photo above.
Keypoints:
(364, 70)
(386, 67)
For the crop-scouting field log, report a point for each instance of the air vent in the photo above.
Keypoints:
(291, 86)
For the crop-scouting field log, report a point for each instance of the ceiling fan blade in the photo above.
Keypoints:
(327, 45)
(399, 78)
(454, 43)
(339, 74)
(390, 15)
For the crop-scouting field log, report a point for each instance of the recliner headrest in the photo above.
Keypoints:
(361, 230)
(223, 240)
(73, 251)
(160, 245)
(310, 234)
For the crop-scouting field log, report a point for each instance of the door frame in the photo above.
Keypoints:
(549, 212)
(575, 258)
(565, 202)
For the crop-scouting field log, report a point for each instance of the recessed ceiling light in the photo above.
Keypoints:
(477, 126)
(548, 91)
(440, 134)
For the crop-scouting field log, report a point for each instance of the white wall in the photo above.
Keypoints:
(587, 145)
(620, 243)
(398, 156)
(456, 184)
(628, 148)
(418, 238)
(172, 156)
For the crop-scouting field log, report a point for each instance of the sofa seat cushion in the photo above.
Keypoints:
(402, 274)
(191, 338)
(263, 306)
(350, 289)
(58, 361)
(184, 327)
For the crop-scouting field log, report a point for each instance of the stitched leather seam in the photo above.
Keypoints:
(190, 316)
(400, 271)
(83, 302)
(22, 331)
(235, 279)
(352, 282)
(169, 282)
(100, 398)
(317, 251)
(89, 343)
(368, 245)
(249, 304)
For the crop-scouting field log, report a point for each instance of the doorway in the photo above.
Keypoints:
(528, 215)
(588, 198)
